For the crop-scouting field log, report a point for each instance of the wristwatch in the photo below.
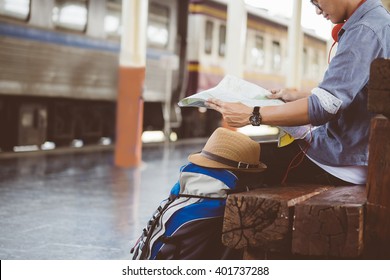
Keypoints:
(255, 118)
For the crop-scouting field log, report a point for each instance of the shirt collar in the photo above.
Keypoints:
(360, 12)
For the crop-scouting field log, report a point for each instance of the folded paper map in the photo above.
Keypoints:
(233, 89)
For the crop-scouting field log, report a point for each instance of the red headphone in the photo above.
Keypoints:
(335, 31)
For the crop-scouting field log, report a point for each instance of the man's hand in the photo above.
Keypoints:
(235, 114)
(287, 94)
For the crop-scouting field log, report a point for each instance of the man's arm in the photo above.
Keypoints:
(289, 114)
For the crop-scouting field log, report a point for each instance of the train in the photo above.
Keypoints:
(60, 60)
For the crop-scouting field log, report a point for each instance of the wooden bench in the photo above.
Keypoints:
(314, 221)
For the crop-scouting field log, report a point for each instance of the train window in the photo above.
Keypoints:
(70, 15)
(257, 52)
(276, 56)
(158, 25)
(222, 40)
(112, 20)
(208, 42)
(19, 9)
(316, 63)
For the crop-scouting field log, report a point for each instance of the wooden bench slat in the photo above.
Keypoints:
(331, 223)
(263, 217)
(378, 189)
(379, 87)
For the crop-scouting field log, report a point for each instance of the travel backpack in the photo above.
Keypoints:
(188, 224)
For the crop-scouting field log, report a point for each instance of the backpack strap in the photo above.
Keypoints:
(142, 243)
(200, 196)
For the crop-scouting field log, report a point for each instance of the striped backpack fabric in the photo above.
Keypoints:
(188, 224)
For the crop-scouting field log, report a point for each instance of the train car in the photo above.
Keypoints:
(265, 58)
(59, 68)
(58, 74)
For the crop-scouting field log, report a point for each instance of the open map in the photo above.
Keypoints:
(233, 89)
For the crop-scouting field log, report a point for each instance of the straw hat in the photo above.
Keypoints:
(227, 149)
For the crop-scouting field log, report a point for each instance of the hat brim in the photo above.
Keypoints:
(200, 160)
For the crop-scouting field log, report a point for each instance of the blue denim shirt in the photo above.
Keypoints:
(339, 104)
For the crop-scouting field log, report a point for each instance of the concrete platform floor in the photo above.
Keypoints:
(77, 205)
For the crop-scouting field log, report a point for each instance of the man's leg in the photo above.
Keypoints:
(278, 161)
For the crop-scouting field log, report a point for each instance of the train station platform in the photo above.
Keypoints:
(74, 204)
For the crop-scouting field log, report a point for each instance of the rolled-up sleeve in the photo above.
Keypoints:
(346, 76)
(323, 106)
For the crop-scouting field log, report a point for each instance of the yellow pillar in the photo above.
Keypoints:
(128, 147)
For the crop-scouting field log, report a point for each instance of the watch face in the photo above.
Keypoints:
(255, 120)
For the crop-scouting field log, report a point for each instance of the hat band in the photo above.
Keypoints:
(229, 162)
